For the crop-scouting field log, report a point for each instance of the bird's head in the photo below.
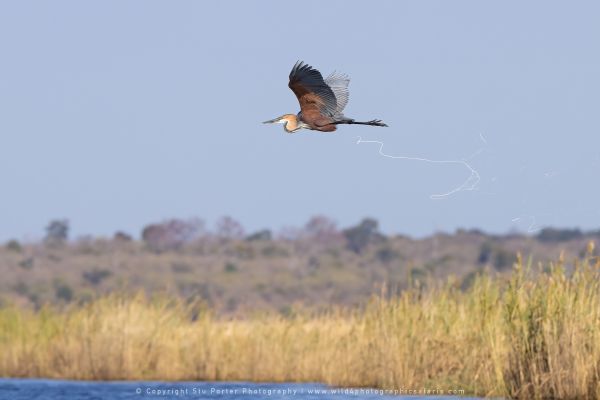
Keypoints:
(289, 121)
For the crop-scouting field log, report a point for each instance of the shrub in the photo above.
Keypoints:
(229, 228)
(264, 234)
(386, 254)
(485, 252)
(360, 236)
(14, 245)
(230, 267)
(63, 291)
(503, 259)
(558, 235)
(57, 231)
(323, 230)
(171, 234)
(500, 258)
(27, 263)
(122, 237)
(96, 275)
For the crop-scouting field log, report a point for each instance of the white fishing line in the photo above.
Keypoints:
(470, 184)
(533, 226)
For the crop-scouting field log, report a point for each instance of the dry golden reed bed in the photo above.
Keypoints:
(535, 335)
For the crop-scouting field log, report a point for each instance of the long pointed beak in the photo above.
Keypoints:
(271, 121)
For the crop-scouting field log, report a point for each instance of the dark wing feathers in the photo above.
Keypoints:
(311, 90)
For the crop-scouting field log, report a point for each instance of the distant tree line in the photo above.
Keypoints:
(172, 234)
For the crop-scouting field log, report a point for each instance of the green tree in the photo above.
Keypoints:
(360, 236)
(57, 231)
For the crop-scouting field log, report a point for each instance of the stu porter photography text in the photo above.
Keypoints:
(291, 391)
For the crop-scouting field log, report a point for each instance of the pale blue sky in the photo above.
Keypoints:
(115, 114)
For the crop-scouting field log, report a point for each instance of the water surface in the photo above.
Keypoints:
(47, 389)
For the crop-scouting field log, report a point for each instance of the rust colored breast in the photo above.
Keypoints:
(316, 121)
(328, 128)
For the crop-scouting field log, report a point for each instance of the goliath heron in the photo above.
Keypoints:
(321, 101)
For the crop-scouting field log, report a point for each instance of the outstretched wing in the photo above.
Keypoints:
(313, 93)
(339, 85)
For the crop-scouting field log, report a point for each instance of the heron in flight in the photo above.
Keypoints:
(321, 101)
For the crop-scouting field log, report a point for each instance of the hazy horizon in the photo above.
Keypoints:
(209, 227)
(116, 115)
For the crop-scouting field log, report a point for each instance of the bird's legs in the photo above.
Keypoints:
(349, 121)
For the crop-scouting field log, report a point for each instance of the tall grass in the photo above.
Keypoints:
(534, 336)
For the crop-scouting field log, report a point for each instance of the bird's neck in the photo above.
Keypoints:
(291, 124)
